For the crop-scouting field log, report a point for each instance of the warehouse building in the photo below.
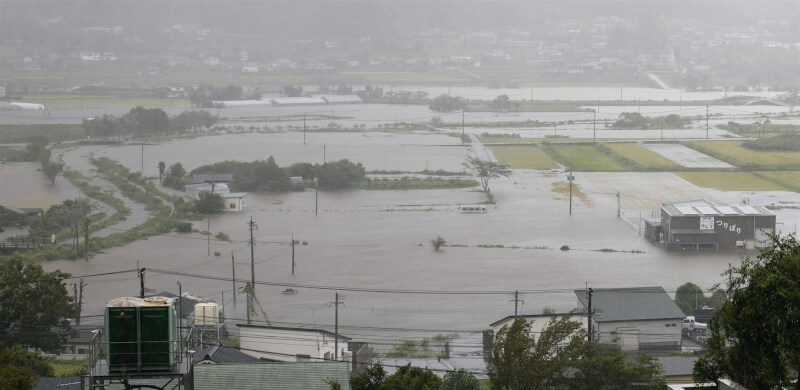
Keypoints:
(700, 224)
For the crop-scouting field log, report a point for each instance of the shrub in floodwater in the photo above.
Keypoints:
(183, 227)
(564, 247)
(438, 242)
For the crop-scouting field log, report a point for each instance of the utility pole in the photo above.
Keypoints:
(316, 196)
(292, 254)
(208, 236)
(618, 205)
(86, 239)
(142, 170)
(304, 129)
(516, 301)
(462, 123)
(78, 298)
(336, 303)
(324, 158)
(570, 178)
(706, 122)
(141, 282)
(594, 126)
(252, 269)
(662, 132)
(233, 271)
(589, 294)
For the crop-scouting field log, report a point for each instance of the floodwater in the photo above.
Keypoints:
(380, 240)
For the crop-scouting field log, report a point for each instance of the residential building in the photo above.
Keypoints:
(234, 201)
(639, 318)
(292, 344)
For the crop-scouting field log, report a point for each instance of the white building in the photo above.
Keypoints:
(193, 190)
(234, 201)
(291, 344)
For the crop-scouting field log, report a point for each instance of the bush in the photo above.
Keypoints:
(438, 242)
(564, 247)
(184, 227)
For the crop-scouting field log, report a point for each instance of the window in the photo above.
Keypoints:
(233, 205)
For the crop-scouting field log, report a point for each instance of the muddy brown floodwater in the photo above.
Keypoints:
(380, 240)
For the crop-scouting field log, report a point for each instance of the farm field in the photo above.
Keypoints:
(585, 158)
(733, 153)
(730, 181)
(686, 156)
(788, 179)
(640, 156)
(523, 157)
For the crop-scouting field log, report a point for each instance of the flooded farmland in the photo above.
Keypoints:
(380, 240)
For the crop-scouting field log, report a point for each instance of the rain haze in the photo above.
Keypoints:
(435, 165)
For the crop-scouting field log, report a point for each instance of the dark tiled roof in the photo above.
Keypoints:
(221, 354)
(59, 383)
(677, 365)
(187, 304)
(626, 304)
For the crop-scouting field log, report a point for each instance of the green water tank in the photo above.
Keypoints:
(142, 334)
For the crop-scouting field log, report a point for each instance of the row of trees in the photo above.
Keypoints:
(146, 122)
(408, 377)
(266, 175)
(635, 120)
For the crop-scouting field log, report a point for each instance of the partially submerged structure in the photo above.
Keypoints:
(700, 224)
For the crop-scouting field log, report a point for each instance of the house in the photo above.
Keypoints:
(701, 224)
(60, 383)
(271, 376)
(234, 201)
(292, 344)
(639, 318)
(193, 190)
(538, 321)
(200, 178)
(220, 354)
(677, 369)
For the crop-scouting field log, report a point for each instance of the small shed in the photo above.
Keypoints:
(234, 201)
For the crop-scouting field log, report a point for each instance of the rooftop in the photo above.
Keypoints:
(630, 304)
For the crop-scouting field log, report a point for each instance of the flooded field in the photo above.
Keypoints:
(380, 240)
(374, 246)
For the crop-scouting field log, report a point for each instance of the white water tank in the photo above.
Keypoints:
(206, 314)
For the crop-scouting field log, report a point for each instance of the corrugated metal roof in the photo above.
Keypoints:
(677, 365)
(626, 304)
(271, 376)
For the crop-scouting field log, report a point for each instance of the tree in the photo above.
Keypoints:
(688, 297)
(51, 170)
(412, 378)
(34, 306)
(21, 369)
(438, 243)
(486, 170)
(444, 103)
(292, 90)
(501, 102)
(755, 337)
(605, 367)
(460, 380)
(209, 203)
(142, 121)
(161, 168)
(371, 379)
(521, 361)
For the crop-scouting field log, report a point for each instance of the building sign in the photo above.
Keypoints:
(729, 227)
(706, 223)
